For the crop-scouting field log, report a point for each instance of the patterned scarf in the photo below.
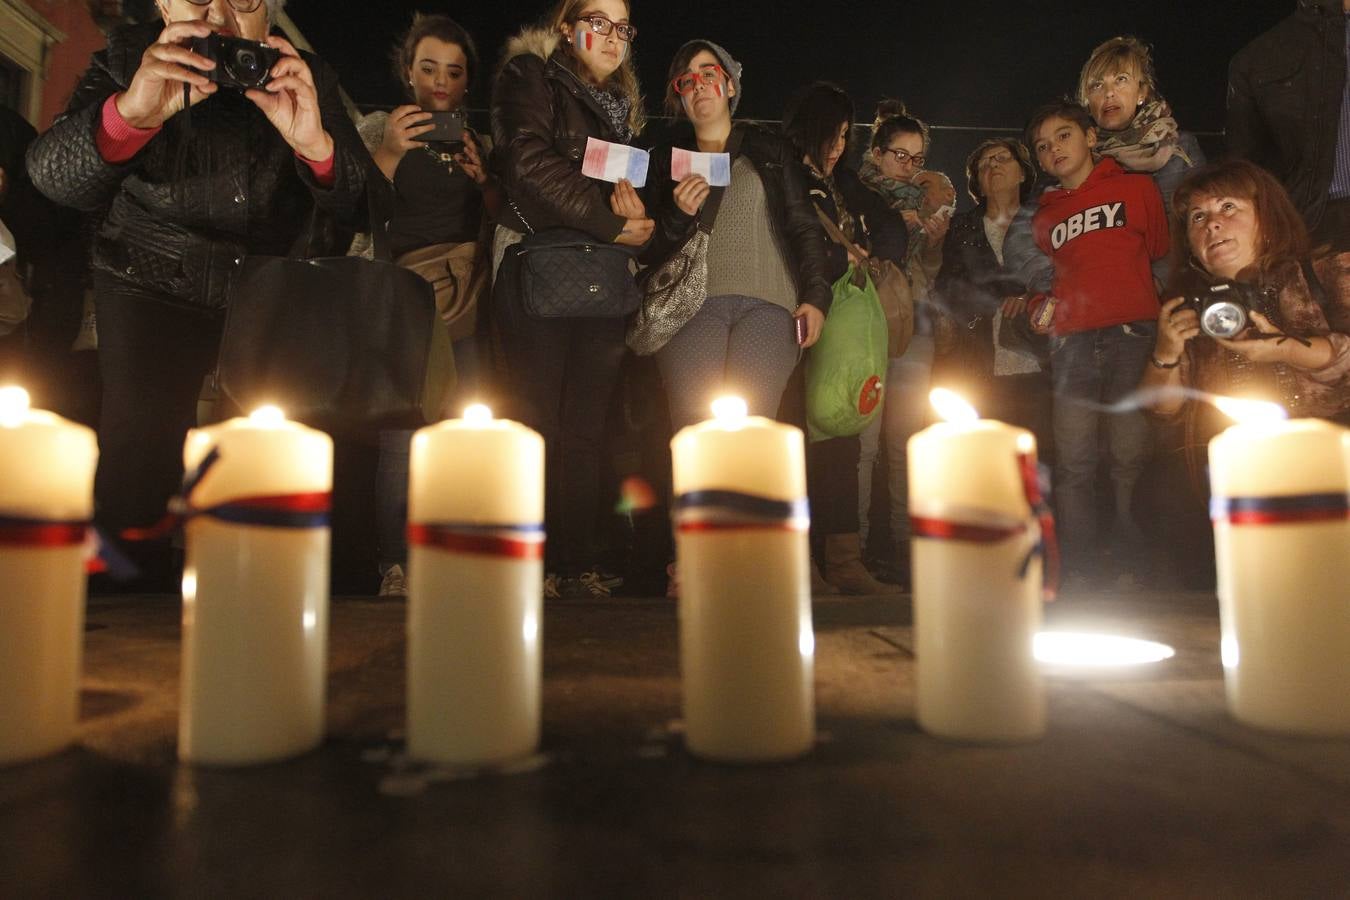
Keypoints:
(615, 106)
(842, 217)
(900, 195)
(1147, 143)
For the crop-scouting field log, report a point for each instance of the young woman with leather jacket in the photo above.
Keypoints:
(561, 84)
(186, 194)
(766, 263)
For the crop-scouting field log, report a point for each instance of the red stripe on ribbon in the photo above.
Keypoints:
(44, 534)
(476, 544)
(1286, 517)
(705, 527)
(942, 529)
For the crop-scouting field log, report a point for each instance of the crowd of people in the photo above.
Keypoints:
(1069, 300)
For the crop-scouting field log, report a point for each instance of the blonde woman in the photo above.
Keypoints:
(562, 83)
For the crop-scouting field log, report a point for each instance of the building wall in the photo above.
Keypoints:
(68, 59)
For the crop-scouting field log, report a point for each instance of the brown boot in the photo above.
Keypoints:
(845, 570)
(818, 584)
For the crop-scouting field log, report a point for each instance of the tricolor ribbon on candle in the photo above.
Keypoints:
(1300, 509)
(705, 511)
(946, 522)
(504, 541)
(17, 531)
(291, 511)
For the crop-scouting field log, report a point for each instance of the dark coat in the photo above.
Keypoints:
(793, 217)
(1284, 101)
(542, 116)
(971, 286)
(215, 185)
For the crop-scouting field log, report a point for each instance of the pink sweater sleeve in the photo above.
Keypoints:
(117, 140)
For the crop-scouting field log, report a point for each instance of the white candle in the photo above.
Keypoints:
(475, 590)
(46, 500)
(255, 592)
(976, 608)
(747, 648)
(1282, 547)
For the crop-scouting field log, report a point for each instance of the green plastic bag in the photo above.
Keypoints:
(846, 369)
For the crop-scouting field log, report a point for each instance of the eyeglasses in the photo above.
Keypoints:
(603, 26)
(996, 159)
(687, 82)
(904, 156)
(243, 6)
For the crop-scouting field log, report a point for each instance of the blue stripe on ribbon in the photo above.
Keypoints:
(266, 518)
(746, 504)
(1227, 507)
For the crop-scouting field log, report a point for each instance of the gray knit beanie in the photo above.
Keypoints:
(733, 68)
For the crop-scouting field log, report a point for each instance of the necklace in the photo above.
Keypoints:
(441, 156)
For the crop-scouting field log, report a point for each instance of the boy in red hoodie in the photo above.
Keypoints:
(1101, 228)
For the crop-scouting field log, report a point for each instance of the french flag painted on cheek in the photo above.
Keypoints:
(615, 162)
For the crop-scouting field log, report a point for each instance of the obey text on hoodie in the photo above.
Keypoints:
(1102, 237)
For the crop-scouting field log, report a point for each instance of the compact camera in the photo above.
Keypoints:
(240, 64)
(1225, 307)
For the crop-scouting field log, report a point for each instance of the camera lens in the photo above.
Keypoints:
(1224, 319)
(246, 66)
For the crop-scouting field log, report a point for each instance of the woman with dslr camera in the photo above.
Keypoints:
(1232, 222)
(195, 163)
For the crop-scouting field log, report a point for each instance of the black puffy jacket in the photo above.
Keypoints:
(215, 185)
(542, 116)
(1284, 101)
(794, 217)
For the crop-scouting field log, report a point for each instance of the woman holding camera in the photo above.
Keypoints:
(1233, 222)
(435, 196)
(561, 84)
(195, 170)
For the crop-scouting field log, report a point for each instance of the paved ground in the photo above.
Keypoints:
(1142, 788)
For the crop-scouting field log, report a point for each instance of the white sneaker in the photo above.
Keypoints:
(393, 584)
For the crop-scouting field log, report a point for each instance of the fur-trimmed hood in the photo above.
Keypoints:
(532, 41)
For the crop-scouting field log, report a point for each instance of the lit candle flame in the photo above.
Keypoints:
(730, 410)
(269, 416)
(477, 414)
(951, 406)
(1250, 412)
(14, 404)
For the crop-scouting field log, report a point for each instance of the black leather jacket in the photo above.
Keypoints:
(793, 221)
(1284, 101)
(213, 186)
(541, 118)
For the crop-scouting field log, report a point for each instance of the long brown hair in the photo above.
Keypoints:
(624, 81)
(1283, 236)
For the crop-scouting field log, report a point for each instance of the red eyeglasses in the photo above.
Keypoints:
(686, 83)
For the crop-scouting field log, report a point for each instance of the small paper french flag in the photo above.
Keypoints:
(615, 162)
(715, 167)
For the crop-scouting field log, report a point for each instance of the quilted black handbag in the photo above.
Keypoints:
(566, 273)
(341, 343)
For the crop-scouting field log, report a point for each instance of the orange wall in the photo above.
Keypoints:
(69, 58)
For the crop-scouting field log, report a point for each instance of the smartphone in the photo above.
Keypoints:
(945, 210)
(449, 129)
(799, 324)
(1045, 314)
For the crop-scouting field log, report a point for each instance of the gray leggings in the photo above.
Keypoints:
(733, 344)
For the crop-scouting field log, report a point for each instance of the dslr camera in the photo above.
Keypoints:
(240, 64)
(1225, 307)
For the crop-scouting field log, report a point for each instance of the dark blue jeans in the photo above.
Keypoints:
(1091, 371)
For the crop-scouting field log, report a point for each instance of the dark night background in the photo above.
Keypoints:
(959, 64)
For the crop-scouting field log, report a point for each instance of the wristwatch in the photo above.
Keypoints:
(1159, 364)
